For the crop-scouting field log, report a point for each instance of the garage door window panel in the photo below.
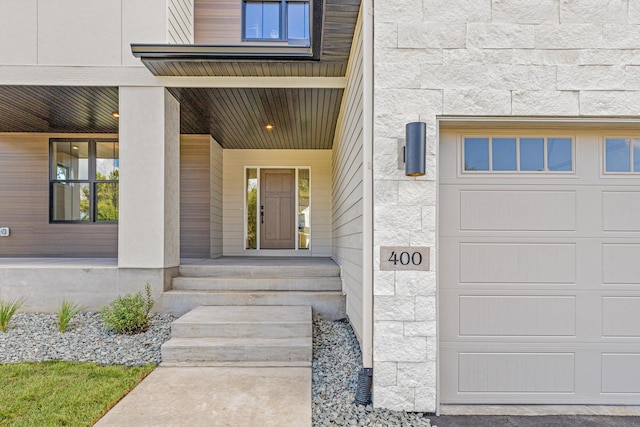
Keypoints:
(504, 154)
(532, 154)
(622, 155)
(476, 154)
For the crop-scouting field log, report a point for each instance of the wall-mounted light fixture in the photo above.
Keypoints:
(115, 114)
(415, 149)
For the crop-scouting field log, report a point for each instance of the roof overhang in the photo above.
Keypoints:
(180, 52)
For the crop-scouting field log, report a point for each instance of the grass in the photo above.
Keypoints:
(63, 393)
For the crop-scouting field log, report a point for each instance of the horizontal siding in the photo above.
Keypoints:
(218, 21)
(233, 194)
(24, 207)
(216, 199)
(195, 215)
(180, 21)
(347, 195)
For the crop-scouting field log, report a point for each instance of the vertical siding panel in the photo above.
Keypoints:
(216, 199)
(195, 215)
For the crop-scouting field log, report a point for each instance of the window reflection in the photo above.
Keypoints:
(298, 20)
(71, 160)
(262, 20)
(251, 186)
(503, 153)
(476, 154)
(304, 210)
(532, 154)
(559, 157)
(617, 155)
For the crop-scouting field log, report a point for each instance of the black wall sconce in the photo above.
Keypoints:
(415, 149)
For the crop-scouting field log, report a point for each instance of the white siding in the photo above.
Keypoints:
(347, 222)
(216, 199)
(233, 195)
(180, 21)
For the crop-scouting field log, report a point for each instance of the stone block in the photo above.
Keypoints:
(394, 308)
(412, 193)
(500, 36)
(525, 11)
(396, 237)
(385, 374)
(609, 103)
(599, 11)
(546, 57)
(591, 77)
(403, 56)
(397, 217)
(416, 374)
(618, 36)
(408, 104)
(521, 77)
(634, 11)
(385, 146)
(385, 167)
(422, 238)
(432, 347)
(632, 81)
(397, 75)
(459, 11)
(453, 77)
(546, 103)
(385, 329)
(568, 36)
(399, 349)
(384, 283)
(416, 283)
(385, 34)
(385, 192)
(420, 329)
(425, 308)
(475, 56)
(425, 399)
(429, 218)
(610, 56)
(395, 398)
(431, 35)
(399, 10)
(477, 102)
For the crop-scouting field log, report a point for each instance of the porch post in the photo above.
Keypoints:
(149, 224)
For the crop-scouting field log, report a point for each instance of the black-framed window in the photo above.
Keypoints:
(83, 180)
(277, 20)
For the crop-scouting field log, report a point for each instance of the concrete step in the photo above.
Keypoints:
(246, 350)
(327, 305)
(258, 283)
(244, 321)
(263, 270)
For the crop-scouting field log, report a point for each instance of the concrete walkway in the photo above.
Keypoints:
(217, 396)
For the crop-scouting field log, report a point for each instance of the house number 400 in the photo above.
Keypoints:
(404, 258)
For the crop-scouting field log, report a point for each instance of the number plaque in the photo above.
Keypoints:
(402, 258)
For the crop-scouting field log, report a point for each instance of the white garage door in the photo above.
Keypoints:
(539, 267)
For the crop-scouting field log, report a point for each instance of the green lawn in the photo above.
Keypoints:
(62, 393)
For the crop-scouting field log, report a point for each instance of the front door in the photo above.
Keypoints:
(277, 208)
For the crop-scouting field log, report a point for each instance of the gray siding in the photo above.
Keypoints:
(24, 207)
(180, 21)
(216, 199)
(347, 226)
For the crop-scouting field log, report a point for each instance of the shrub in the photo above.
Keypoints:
(7, 309)
(128, 314)
(66, 311)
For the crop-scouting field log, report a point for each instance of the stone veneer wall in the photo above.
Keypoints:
(472, 58)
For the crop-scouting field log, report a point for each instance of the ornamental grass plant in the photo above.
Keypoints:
(66, 312)
(7, 309)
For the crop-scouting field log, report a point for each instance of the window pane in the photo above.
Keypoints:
(262, 20)
(252, 207)
(559, 156)
(531, 154)
(70, 160)
(636, 155)
(107, 201)
(298, 21)
(304, 210)
(503, 154)
(107, 162)
(476, 154)
(71, 201)
(617, 155)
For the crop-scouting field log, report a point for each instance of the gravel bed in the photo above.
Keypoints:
(35, 337)
(336, 362)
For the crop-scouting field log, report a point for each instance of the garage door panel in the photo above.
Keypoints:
(517, 263)
(517, 316)
(620, 263)
(621, 317)
(621, 210)
(620, 373)
(524, 210)
(516, 372)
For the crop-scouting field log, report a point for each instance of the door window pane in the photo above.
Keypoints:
(107, 201)
(298, 20)
(617, 155)
(476, 154)
(251, 185)
(304, 210)
(503, 154)
(70, 160)
(262, 20)
(107, 161)
(531, 154)
(71, 201)
(559, 156)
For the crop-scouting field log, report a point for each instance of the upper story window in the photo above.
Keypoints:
(622, 155)
(83, 180)
(518, 154)
(275, 20)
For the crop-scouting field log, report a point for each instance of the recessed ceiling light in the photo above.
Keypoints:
(75, 147)
(115, 114)
(269, 126)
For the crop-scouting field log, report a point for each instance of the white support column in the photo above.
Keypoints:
(149, 224)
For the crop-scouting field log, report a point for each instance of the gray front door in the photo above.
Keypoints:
(277, 208)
